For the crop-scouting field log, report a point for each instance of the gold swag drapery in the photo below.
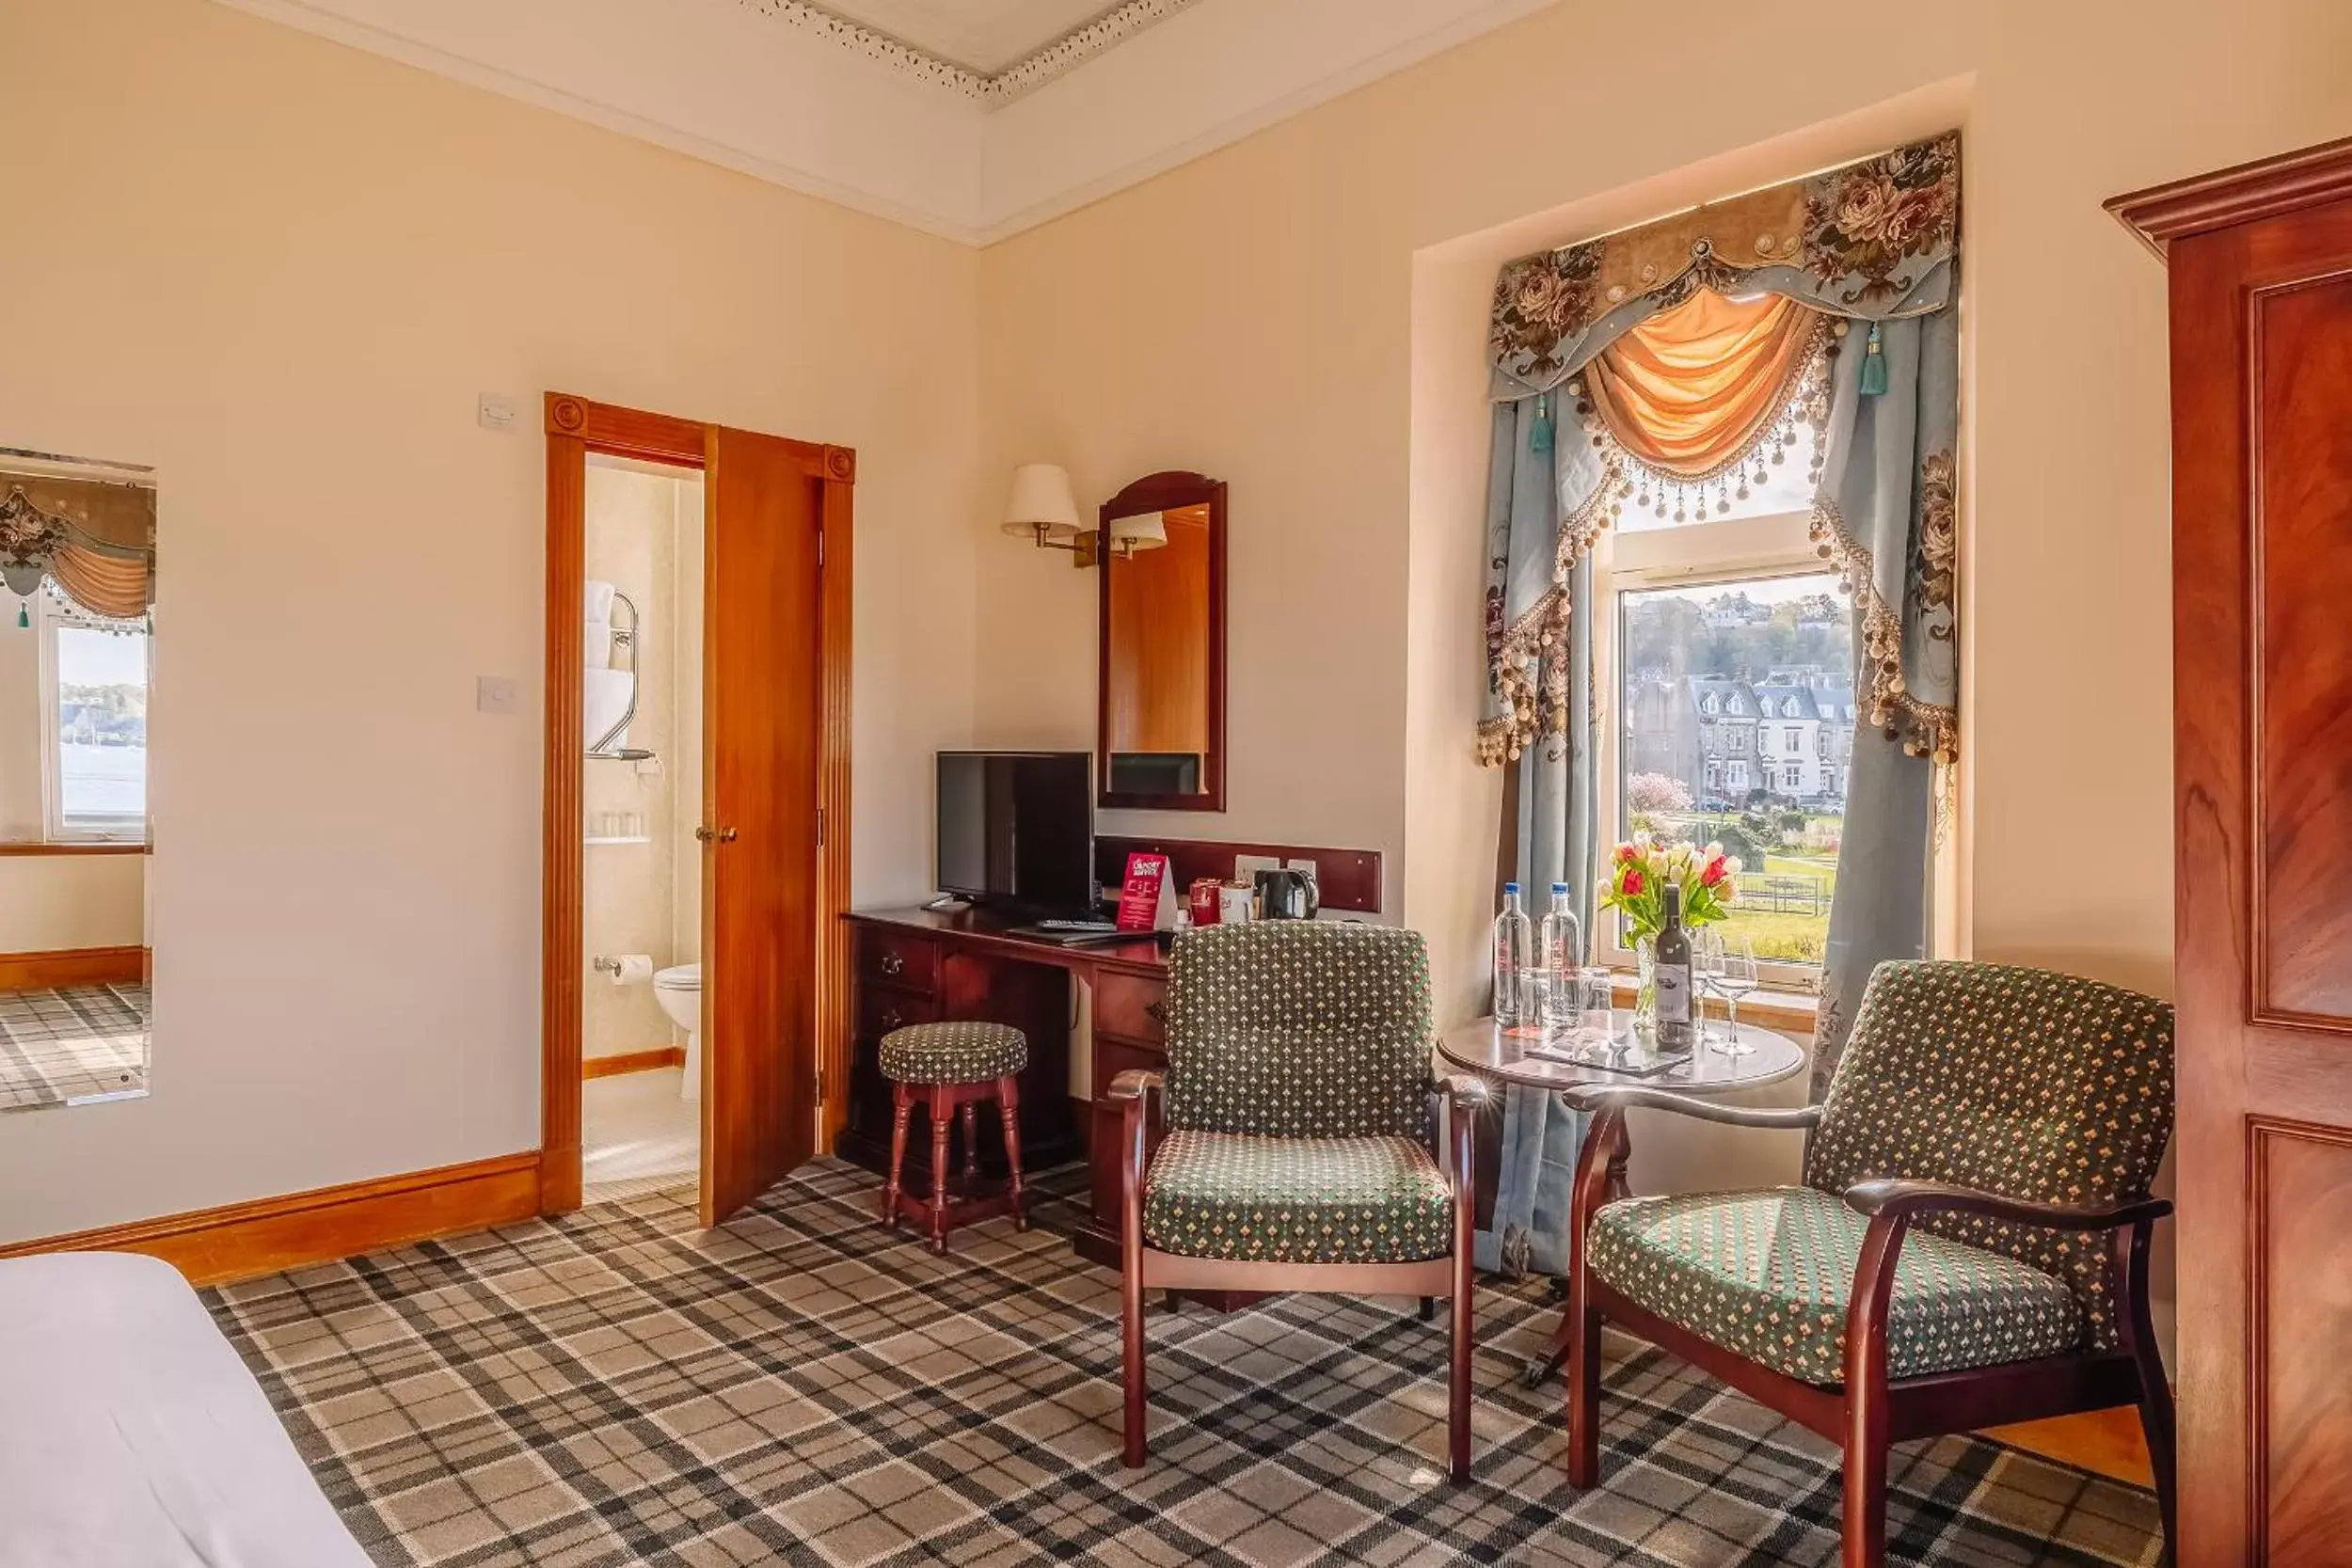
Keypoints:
(1691, 392)
(94, 539)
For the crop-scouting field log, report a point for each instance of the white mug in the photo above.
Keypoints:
(1236, 906)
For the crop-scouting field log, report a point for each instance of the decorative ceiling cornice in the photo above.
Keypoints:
(1023, 76)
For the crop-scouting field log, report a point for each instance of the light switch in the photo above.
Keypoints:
(496, 695)
(1246, 867)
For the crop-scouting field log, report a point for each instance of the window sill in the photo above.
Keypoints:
(1791, 1012)
(74, 847)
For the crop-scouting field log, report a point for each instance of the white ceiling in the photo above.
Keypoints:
(983, 36)
(969, 118)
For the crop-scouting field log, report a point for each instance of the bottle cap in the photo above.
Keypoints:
(1560, 889)
(1510, 890)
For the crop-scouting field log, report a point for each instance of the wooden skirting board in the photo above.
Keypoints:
(71, 966)
(633, 1061)
(239, 1241)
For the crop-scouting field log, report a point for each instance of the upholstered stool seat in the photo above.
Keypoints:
(1769, 1276)
(950, 1070)
(961, 1052)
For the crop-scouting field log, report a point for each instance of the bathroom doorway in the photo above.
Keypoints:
(641, 800)
(697, 797)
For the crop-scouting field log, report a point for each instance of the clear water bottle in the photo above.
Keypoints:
(1514, 941)
(1559, 952)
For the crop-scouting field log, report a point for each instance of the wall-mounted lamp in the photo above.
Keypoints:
(1042, 507)
(1131, 536)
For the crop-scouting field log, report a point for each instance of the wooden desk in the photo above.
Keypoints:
(917, 966)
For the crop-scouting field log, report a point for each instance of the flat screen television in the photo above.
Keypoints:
(1016, 829)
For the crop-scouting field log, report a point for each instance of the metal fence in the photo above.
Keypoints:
(1783, 895)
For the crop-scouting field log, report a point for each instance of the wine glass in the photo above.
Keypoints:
(1707, 961)
(1734, 977)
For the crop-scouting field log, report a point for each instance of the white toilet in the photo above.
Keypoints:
(679, 990)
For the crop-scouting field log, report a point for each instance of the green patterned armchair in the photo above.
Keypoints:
(1968, 1248)
(1296, 1153)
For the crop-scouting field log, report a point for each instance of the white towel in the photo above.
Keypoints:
(604, 697)
(600, 606)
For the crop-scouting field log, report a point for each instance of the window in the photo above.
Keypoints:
(93, 694)
(1734, 611)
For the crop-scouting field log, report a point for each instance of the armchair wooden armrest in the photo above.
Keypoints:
(1133, 1089)
(1892, 1198)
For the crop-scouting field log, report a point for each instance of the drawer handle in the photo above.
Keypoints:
(892, 1019)
(1155, 1011)
(893, 964)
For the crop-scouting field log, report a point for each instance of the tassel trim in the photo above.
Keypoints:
(1925, 729)
(1527, 664)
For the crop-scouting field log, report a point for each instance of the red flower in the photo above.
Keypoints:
(1714, 874)
(1626, 854)
(1632, 883)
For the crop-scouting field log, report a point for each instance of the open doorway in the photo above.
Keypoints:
(692, 997)
(641, 800)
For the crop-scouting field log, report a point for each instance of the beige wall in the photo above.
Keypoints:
(281, 271)
(1302, 314)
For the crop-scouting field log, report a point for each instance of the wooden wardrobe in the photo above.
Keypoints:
(2260, 281)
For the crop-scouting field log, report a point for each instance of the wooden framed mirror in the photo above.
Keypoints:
(1160, 697)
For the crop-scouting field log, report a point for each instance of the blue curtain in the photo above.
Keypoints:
(1885, 512)
(1537, 594)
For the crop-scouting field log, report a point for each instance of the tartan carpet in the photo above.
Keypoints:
(801, 1387)
(70, 1044)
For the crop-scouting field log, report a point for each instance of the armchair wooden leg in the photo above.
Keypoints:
(1582, 1328)
(1458, 1387)
(1428, 1309)
(941, 1117)
(1131, 1335)
(902, 1112)
(1865, 1510)
(2130, 1253)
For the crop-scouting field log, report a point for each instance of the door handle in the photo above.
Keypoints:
(715, 835)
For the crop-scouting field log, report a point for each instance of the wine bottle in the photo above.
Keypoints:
(1673, 975)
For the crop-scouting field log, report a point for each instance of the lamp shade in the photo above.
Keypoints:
(1147, 531)
(1040, 497)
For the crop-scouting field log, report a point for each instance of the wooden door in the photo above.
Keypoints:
(762, 733)
(2262, 451)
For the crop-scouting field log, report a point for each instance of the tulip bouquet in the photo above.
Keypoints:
(1639, 873)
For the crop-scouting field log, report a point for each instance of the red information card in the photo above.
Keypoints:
(1139, 900)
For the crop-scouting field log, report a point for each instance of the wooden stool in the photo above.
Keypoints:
(952, 1068)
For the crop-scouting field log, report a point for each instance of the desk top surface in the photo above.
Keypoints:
(989, 927)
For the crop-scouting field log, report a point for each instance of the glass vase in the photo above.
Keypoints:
(1645, 991)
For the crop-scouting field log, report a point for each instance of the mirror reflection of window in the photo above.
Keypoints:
(1157, 697)
(77, 646)
(94, 700)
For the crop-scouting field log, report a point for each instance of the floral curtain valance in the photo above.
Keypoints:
(1873, 241)
(95, 541)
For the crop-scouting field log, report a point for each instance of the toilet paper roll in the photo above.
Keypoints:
(633, 969)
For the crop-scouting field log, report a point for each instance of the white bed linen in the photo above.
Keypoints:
(132, 1435)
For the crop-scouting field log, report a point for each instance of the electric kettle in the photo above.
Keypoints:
(1289, 893)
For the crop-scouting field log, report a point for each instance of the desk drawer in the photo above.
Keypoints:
(1130, 1006)
(879, 1010)
(898, 958)
(1113, 1057)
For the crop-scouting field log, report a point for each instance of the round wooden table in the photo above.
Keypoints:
(1534, 1060)
(1522, 1059)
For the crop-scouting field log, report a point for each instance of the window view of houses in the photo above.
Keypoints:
(1739, 716)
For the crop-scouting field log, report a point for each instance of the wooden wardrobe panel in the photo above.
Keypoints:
(2302, 1290)
(2262, 573)
(2300, 336)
